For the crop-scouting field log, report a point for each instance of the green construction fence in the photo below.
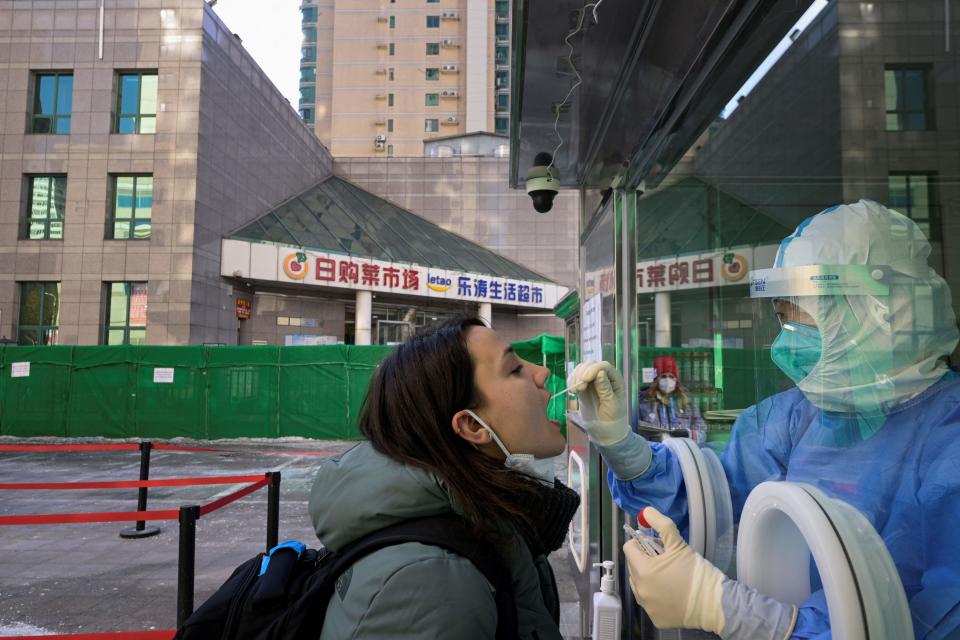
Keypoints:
(203, 392)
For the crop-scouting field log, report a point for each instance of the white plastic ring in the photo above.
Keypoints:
(784, 523)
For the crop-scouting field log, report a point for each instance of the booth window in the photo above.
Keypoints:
(136, 107)
(125, 312)
(132, 207)
(39, 322)
(52, 103)
(907, 99)
(46, 206)
(913, 195)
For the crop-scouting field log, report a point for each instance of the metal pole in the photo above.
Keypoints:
(141, 530)
(186, 564)
(273, 510)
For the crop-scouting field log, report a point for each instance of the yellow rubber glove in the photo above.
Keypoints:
(678, 589)
(603, 401)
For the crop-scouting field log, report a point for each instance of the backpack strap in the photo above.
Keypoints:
(447, 532)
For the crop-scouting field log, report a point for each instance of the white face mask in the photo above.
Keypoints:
(667, 385)
(539, 468)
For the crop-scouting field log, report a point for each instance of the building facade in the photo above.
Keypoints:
(378, 77)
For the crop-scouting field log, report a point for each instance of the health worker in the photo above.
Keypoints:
(863, 328)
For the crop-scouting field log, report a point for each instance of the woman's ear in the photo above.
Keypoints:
(468, 428)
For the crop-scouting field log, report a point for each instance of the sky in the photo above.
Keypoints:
(270, 31)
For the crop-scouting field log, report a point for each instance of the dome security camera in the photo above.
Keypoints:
(542, 182)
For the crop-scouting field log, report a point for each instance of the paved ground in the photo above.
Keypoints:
(84, 578)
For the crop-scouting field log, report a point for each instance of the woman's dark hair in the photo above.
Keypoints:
(407, 416)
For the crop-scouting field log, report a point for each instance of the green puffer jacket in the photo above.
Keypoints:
(413, 590)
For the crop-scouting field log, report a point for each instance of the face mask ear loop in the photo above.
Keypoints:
(493, 433)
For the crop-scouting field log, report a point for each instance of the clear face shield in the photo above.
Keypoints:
(828, 332)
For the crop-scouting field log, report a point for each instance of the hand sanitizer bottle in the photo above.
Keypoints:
(606, 606)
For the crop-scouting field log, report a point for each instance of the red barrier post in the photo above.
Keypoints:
(141, 530)
(186, 564)
(273, 510)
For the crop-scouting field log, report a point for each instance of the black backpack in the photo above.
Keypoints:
(283, 595)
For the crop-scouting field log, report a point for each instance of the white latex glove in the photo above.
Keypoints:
(603, 401)
(678, 589)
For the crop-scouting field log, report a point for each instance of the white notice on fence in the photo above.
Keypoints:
(649, 374)
(163, 375)
(20, 370)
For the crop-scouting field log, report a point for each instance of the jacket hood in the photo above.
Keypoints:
(362, 490)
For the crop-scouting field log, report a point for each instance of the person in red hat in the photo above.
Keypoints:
(665, 404)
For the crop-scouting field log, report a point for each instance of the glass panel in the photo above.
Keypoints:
(502, 8)
(56, 230)
(117, 304)
(31, 299)
(433, 22)
(42, 124)
(148, 96)
(308, 74)
(127, 124)
(433, 48)
(115, 336)
(138, 336)
(138, 304)
(890, 90)
(123, 203)
(64, 95)
(310, 34)
(40, 197)
(62, 125)
(45, 102)
(144, 202)
(51, 304)
(503, 55)
(433, 74)
(309, 14)
(129, 94)
(432, 99)
(914, 90)
(38, 230)
(58, 204)
(121, 230)
(28, 337)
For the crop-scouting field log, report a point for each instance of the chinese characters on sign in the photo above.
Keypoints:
(693, 271)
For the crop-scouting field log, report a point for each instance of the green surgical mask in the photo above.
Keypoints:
(796, 350)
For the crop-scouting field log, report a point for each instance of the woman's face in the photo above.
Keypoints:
(513, 398)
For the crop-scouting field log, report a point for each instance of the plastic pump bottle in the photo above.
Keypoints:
(606, 606)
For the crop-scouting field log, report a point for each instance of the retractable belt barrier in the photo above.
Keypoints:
(186, 516)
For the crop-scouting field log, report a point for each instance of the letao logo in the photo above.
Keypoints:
(439, 283)
(733, 267)
(295, 265)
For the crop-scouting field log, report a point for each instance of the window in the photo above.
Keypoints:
(390, 125)
(433, 73)
(912, 194)
(391, 49)
(433, 1)
(46, 205)
(907, 102)
(39, 313)
(132, 208)
(389, 99)
(432, 99)
(433, 22)
(308, 74)
(52, 98)
(125, 312)
(503, 54)
(136, 102)
(503, 102)
(308, 94)
(431, 125)
(502, 30)
(503, 79)
(501, 125)
(307, 115)
(309, 14)
(308, 54)
(393, 22)
(503, 8)
(309, 34)
(389, 149)
(433, 48)
(391, 74)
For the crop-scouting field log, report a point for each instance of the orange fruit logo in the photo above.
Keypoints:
(295, 267)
